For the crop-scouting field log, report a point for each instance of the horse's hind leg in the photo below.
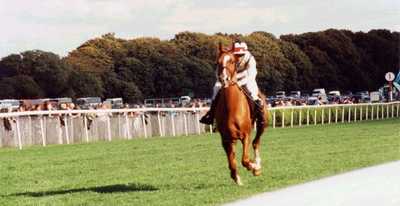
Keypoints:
(229, 148)
(256, 147)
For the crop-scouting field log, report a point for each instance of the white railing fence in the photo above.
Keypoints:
(329, 114)
(20, 129)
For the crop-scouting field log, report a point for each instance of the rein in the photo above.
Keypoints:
(234, 83)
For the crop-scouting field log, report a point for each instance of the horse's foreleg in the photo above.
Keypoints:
(230, 152)
(245, 156)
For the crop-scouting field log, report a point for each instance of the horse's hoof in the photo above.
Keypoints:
(238, 181)
(257, 172)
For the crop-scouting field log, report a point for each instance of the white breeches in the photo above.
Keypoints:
(253, 89)
(217, 87)
(251, 86)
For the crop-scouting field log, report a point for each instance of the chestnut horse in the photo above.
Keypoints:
(233, 116)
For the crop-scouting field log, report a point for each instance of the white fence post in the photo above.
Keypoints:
(86, 127)
(108, 128)
(273, 119)
(197, 122)
(342, 114)
(315, 116)
(66, 128)
(329, 116)
(377, 112)
(283, 119)
(300, 120)
(387, 111)
(127, 127)
(372, 112)
(308, 117)
(72, 134)
(42, 131)
(60, 140)
(336, 114)
(185, 124)
(173, 124)
(349, 115)
(392, 110)
(144, 125)
(355, 113)
(291, 118)
(19, 141)
(322, 116)
(30, 126)
(159, 124)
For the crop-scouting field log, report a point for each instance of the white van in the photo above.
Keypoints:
(334, 93)
(184, 100)
(320, 93)
(375, 96)
(280, 94)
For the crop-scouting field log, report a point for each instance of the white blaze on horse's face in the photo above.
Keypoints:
(225, 76)
(225, 61)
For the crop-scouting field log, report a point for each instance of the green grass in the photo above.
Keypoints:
(187, 170)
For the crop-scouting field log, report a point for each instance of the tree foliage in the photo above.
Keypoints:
(149, 67)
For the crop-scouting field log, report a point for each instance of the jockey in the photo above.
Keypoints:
(246, 75)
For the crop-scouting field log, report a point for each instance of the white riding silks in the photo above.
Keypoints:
(246, 78)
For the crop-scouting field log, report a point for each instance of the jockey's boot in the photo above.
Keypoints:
(208, 118)
(260, 118)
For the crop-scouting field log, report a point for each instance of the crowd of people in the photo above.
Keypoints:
(304, 102)
(25, 105)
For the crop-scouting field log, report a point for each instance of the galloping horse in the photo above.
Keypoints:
(233, 116)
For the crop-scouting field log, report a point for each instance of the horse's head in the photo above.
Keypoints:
(226, 66)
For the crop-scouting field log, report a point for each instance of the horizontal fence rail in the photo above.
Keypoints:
(19, 129)
(330, 114)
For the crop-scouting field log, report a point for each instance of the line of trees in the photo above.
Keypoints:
(149, 67)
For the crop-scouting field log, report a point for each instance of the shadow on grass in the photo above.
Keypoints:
(101, 189)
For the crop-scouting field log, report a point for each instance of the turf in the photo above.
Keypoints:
(187, 170)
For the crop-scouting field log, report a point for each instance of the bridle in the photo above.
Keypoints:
(225, 79)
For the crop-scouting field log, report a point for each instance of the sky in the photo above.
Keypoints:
(61, 26)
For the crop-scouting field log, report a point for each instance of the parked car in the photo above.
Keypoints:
(87, 102)
(280, 94)
(334, 96)
(375, 96)
(295, 94)
(334, 93)
(362, 96)
(116, 103)
(184, 100)
(320, 93)
(13, 104)
(313, 101)
(62, 100)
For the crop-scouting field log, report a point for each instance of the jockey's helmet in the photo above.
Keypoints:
(240, 48)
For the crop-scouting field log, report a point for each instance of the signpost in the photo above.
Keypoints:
(390, 77)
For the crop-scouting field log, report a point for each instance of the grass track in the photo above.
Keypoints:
(187, 170)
